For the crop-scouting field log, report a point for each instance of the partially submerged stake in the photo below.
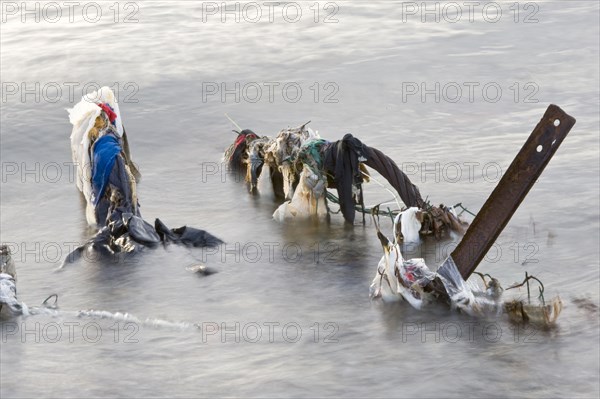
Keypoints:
(413, 281)
(523, 172)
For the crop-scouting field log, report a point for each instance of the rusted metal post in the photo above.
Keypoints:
(523, 172)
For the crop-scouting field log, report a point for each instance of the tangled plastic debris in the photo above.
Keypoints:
(302, 166)
(411, 280)
(108, 181)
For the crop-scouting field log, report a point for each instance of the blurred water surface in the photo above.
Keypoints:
(162, 67)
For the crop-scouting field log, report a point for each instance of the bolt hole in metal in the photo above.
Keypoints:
(556, 123)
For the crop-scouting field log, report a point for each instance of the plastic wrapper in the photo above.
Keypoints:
(410, 225)
(467, 296)
(410, 280)
(398, 279)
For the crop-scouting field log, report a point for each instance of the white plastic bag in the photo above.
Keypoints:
(308, 201)
(410, 224)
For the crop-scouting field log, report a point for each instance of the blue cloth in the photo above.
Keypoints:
(106, 150)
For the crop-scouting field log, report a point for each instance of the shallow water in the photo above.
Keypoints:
(282, 280)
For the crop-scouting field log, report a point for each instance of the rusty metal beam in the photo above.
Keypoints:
(522, 174)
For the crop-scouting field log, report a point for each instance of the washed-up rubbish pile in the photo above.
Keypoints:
(250, 153)
(302, 166)
(411, 280)
(108, 178)
(9, 304)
